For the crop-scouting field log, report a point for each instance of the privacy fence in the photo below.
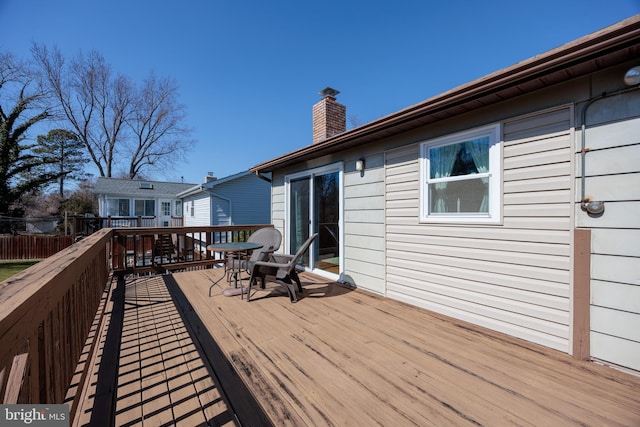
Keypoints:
(32, 247)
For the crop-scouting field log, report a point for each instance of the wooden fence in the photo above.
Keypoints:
(32, 247)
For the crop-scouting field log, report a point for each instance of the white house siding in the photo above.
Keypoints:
(201, 208)
(364, 225)
(613, 176)
(514, 277)
(278, 212)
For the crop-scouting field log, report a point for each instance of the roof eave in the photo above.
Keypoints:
(564, 63)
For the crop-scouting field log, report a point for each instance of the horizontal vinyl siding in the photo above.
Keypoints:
(250, 199)
(202, 211)
(612, 172)
(364, 226)
(514, 277)
(278, 211)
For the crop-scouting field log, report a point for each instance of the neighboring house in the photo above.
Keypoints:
(126, 198)
(479, 203)
(243, 198)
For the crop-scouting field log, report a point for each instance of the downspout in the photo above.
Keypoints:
(592, 207)
(259, 175)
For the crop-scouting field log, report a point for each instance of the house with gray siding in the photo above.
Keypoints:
(242, 198)
(510, 202)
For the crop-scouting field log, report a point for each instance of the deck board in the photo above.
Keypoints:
(161, 378)
(348, 357)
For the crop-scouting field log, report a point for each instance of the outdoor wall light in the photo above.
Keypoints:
(593, 207)
(632, 77)
(360, 166)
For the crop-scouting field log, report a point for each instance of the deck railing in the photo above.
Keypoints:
(143, 250)
(46, 312)
(49, 312)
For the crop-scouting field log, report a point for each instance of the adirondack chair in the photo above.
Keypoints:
(269, 238)
(281, 269)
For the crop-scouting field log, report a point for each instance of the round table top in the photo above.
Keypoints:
(234, 246)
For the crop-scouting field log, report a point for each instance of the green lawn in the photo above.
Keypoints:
(9, 268)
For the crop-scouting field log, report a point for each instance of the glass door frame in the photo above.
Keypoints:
(311, 173)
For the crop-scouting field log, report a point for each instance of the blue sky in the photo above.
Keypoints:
(250, 71)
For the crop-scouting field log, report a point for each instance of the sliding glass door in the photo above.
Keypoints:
(299, 216)
(315, 206)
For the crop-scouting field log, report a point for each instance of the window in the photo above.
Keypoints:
(118, 207)
(145, 208)
(192, 209)
(461, 177)
(178, 207)
(165, 208)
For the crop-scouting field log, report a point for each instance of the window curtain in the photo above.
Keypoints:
(441, 161)
(479, 150)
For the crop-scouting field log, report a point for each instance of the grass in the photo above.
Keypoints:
(9, 268)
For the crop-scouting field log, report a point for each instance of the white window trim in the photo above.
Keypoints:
(495, 177)
(117, 199)
(163, 204)
(155, 204)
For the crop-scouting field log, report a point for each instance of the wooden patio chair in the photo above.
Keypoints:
(281, 269)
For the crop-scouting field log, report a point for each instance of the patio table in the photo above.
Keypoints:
(239, 249)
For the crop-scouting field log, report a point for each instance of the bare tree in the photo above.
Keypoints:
(117, 123)
(156, 124)
(94, 102)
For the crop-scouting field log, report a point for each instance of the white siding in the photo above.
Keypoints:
(364, 225)
(202, 210)
(278, 212)
(613, 176)
(514, 277)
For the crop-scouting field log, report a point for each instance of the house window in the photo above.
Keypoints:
(461, 177)
(118, 207)
(178, 207)
(165, 208)
(192, 209)
(145, 207)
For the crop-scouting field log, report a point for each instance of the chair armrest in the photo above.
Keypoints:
(265, 254)
(270, 264)
(282, 258)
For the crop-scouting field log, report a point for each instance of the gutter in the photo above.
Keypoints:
(263, 177)
(190, 191)
(560, 64)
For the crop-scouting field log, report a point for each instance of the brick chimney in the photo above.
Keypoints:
(329, 117)
(210, 178)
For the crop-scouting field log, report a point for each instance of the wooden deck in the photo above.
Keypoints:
(151, 372)
(347, 357)
(337, 357)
